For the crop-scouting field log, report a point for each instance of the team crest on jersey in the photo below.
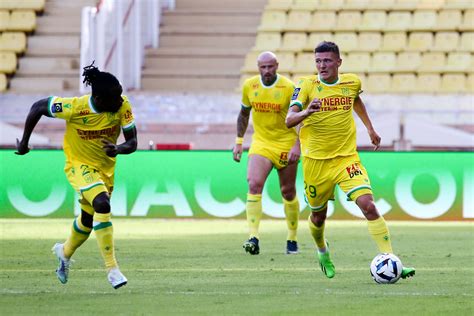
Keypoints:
(345, 91)
(296, 92)
(277, 95)
(320, 88)
(57, 107)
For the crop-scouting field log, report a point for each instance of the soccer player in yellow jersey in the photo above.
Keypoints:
(273, 145)
(322, 105)
(93, 124)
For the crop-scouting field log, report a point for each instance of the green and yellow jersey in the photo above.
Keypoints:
(331, 132)
(86, 127)
(269, 105)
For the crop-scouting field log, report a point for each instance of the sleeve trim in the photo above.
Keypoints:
(50, 102)
(128, 126)
(297, 103)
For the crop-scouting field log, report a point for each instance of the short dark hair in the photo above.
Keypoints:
(101, 82)
(324, 47)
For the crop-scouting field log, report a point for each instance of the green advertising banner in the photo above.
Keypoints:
(203, 184)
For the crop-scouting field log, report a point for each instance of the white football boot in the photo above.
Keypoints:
(116, 278)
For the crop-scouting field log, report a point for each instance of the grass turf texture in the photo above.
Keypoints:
(198, 267)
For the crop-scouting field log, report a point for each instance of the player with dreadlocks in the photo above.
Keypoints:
(93, 124)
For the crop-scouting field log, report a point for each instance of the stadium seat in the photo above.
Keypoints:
(278, 5)
(22, 20)
(250, 62)
(356, 63)
(322, 21)
(453, 83)
(348, 20)
(304, 63)
(8, 62)
(315, 38)
(403, 83)
(369, 41)
(3, 82)
(448, 20)
(347, 41)
(430, 4)
(386, 5)
(298, 21)
(420, 41)
(470, 83)
(36, 5)
(293, 42)
(379, 83)
(304, 5)
(4, 20)
(467, 20)
(459, 62)
(398, 21)
(267, 41)
(394, 41)
(457, 4)
(383, 62)
(332, 5)
(466, 44)
(286, 62)
(373, 21)
(272, 21)
(428, 83)
(432, 62)
(424, 20)
(13, 42)
(405, 5)
(445, 41)
(356, 5)
(408, 61)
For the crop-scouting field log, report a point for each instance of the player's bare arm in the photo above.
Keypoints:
(128, 147)
(295, 116)
(242, 124)
(38, 109)
(359, 108)
(295, 152)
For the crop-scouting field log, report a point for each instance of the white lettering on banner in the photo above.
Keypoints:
(37, 208)
(210, 205)
(382, 206)
(442, 204)
(174, 196)
(468, 195)
(118, 202)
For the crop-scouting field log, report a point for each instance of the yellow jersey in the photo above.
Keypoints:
(86, 127)
(331, 132)
(269, 106)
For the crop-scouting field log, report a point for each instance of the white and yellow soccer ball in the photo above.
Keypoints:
(386, 268)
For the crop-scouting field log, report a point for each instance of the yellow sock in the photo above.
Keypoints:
(379, 231)
(79, 234)
(104, 233)
(317, 233)
(254, 213)
(292, 211)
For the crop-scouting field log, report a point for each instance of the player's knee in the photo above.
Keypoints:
(369, 209)
(255, 186)
(318, 218)
(288, 192)
(101, 203)
(86, 219)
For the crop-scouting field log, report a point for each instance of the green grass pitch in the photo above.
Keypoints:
(198, 267)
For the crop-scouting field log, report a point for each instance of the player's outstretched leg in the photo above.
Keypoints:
(251, 246)
(325, 262)
(63, 263)
(407, 272)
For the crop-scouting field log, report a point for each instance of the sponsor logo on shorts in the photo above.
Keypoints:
(57, 108)
(354, 170)
(284, 158)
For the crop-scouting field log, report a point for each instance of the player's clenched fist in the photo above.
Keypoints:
(314, 106)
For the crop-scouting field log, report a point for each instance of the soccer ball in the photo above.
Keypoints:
(386, 268)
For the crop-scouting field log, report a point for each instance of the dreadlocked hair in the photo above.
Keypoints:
(100, 82)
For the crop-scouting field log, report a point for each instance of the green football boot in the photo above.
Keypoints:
(407, 272)
(326, 263)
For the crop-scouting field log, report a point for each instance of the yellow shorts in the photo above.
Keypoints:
(322, 175)
(88, 182)
(278, 157)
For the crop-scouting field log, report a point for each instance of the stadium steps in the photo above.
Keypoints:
(202, 45)
(52, 58)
